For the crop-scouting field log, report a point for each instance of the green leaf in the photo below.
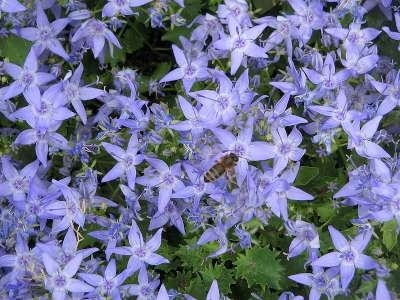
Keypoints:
(223, 275)
(262, 6)
(259, 266)
(15, 49)
(306, 174)
(173, 35)
(134, 38)
(389, 230)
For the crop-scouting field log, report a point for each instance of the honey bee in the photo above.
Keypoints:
(224, 165)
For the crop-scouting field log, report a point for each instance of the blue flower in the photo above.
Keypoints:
(108, 285)
(60, 281)
(321, 282)
(145, 289)
(95, 34)
(360, 139)
(74, 93)
(164, 177)
(241, 43)
(17, 183)
(27, 79)
(127, 160)
(45, 34)
(189, 70)
(348, 256)
(141, 252)
(244, 148)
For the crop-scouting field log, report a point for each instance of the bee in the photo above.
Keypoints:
(224, 165)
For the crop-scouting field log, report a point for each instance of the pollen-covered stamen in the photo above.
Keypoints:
(190, 71)
(223, 101)
(27, 78)
(71, 91)
(168, 179)
(98, 28)
(239, 43)
(145, 290)
(108, 286)
(60, 281)
(285, 148)
(240, 150)
(20, 184)
(129, 161)
(45, 33)
(348, 256)
(140, 252)
(320, 281)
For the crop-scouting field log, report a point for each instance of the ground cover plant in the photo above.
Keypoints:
(223, 149)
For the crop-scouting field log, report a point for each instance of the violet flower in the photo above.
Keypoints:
(141, 252)
(348, 256)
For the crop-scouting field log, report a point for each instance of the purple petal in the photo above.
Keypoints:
(314, 76)
(80, 110)
(346, 274)
(303, 278)
(295, 193)
(328, 260)
(155, 242)
(365, 262)
(387, 105)
(164, 197)
(373, 150)
(77, 286)
(339, 241)
(87, 93)
(180, 57)
(225, 137)
(42, 150)
(26, 137)
(115, 151)
(173, 75)
(116, 172)
(236, 60)
(50, 264)
(213, 293)
(369, 128)
(260, 151)
(9, 171)
(155, 259)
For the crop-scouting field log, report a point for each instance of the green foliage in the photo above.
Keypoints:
(15, 49)
(390, 234)
(306, 174)
(259, 266)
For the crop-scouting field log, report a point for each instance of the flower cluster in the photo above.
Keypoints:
(97, 161)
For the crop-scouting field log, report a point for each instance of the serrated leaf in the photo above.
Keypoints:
(306, 174)
(133, 39)
(223, 275)
(259, 266)
(198, 288)
(15, 49)
(161, 70)
(389, 230)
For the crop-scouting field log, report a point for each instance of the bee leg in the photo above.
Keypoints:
(230, 175)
